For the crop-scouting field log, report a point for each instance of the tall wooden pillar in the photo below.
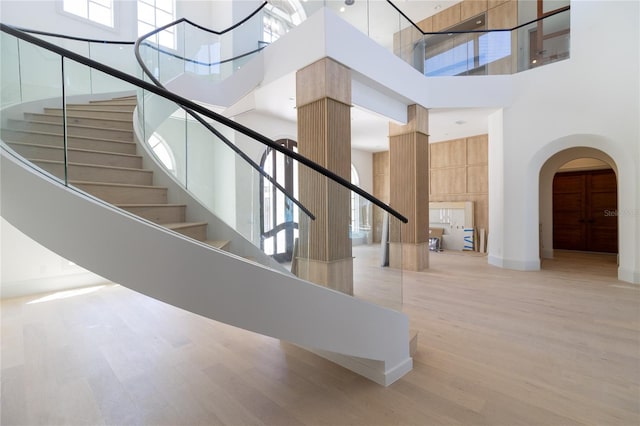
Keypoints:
(323, 99)
(409, 182)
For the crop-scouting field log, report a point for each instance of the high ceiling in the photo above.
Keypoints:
(370, 130)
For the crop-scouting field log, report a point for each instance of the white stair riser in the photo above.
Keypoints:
(74, 142)
(159, 214)
(120, 102)
(98, 174)
(93, 132)
(93, 122)
(100, 107)
(74, 156)
(115, 115)
(197, 232)
(125, 195)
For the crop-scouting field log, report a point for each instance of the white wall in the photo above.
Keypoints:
(590, 100)
(26, 267)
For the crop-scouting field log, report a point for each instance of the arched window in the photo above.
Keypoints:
(278, 216)
(279, 17)
(163, 152)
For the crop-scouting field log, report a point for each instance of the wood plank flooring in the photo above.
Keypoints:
(496, 347)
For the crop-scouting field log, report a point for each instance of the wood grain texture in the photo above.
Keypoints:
(471, 8)
(496, 347)
(459, 172)
(447, 18)
(381, 189)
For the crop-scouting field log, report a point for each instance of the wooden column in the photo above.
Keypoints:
(409, 182)
(323, 99)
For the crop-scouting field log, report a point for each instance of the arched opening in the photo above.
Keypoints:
(279, 220)
(578, 205)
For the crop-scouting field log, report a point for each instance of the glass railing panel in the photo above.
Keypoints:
(223, 181)
(340, 248)
(10, 88)
(165, 133)
(544, 42)
(34, 75)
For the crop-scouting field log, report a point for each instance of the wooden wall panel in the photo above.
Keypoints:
(329, 233)
(452, 180)
(450, 154)
(468, 180)
(477, 149)
(493, 3)
(426, 25)
(477, 179)
(503, 16)
(471, 8)
(447, 18)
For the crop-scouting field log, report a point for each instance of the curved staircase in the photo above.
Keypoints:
(102, 159)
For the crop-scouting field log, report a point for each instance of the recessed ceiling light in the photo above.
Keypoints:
(478, 22)
(342, 9)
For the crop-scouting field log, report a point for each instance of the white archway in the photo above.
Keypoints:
(548, 160)
(547, 173)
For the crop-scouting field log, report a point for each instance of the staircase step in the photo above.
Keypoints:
(116, 101)
(221, 244)
(91, 113)
(101, 107)
(97, 173)
(195, 230)
(82, 142)
(124, 194)
(158, 213)
(105, 123)
(74, 155)
(72, 130)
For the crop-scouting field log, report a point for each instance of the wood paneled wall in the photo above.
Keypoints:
(459, 172)
(328, 200)
(499, 14)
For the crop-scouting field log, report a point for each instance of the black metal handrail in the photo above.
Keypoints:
(68, 37)
(205, 64)
(255, 135)
(555, 12)
(199, 109)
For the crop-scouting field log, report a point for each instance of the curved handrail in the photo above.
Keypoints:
(259, 137)
(68, 37)
(239, 152)
(546, 15)
(206, 64)
(190, 105)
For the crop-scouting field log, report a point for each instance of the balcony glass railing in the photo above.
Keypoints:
(468, 48)
(208, 157)
(186, 48)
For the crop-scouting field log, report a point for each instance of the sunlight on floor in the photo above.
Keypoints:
(66, 294)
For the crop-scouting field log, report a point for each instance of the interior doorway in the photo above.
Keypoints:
(585, 211)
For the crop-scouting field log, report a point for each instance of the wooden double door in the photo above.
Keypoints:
(585, 215)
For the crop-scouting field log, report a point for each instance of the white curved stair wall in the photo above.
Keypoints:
(369, 339)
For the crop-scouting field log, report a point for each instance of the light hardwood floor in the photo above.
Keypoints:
(496, 347)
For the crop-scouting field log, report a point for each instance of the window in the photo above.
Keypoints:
(154, 14)
(279, 17)
(355, 202)
(100, 11)
(162, 151)
(278, 216)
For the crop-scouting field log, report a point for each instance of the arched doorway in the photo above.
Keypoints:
(278, 217)
(578, 202)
